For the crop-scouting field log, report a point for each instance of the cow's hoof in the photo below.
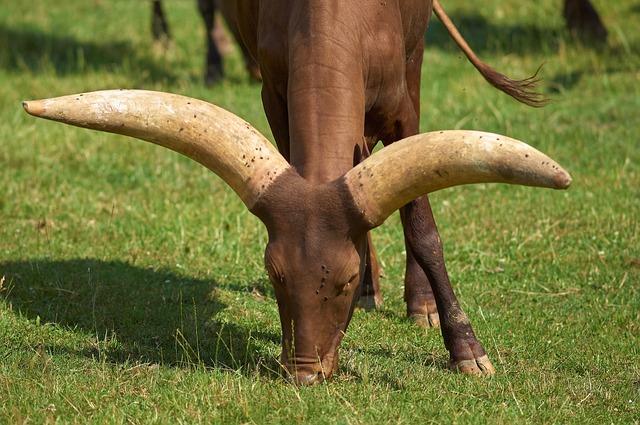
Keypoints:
(213, 75)
(211, 80)
(370, 302)
(427, 321)
(480, 366)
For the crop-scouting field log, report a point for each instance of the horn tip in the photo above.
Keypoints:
(33, 107)
(562, 180)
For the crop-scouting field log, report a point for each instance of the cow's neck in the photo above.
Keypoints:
(325, 91)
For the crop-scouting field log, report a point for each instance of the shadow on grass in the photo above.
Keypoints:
(139, 314)
(153, 316)
(485, 36)
(30, 49)
(614, 61)
(415, 358)
(563, 81)
(508, 38)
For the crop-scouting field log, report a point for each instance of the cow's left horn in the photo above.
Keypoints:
(424, 163)
(218, 139)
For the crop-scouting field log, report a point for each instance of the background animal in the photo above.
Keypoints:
(215, 36)
(583, 20)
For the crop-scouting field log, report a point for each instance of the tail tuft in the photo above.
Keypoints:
(522, 90)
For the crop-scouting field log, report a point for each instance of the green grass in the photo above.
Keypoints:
(134, 289)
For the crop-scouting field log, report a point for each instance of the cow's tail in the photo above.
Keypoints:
(521, 90)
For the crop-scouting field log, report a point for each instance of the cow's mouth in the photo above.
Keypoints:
(311, 373)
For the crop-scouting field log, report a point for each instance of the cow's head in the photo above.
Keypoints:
(315, 256)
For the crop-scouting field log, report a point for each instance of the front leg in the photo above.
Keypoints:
(466, 354)
(421, 304)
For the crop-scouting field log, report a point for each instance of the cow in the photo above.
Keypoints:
(338, 76)
(215, 39)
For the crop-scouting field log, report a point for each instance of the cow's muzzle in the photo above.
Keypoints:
(305, 374)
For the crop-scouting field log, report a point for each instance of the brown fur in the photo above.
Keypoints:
(338, 77)
(521, 90)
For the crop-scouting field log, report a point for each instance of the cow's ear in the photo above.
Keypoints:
(424, 163)
(212, 136)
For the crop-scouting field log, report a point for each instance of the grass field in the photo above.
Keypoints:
(133, 289)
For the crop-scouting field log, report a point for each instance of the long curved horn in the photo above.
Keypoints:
(217, 139)
(424, 163)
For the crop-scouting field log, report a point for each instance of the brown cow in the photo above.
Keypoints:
(338, 76)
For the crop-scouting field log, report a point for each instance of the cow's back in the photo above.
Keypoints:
(246, 16)
(334, 72)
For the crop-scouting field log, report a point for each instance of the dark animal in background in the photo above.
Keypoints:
(583, 20)
(339, 76)
(159, 24)
(215, 38)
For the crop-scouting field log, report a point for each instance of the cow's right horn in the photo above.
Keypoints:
(424, 163)
(216, 138)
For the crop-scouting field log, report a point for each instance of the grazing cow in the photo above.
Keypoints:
(215, 37)
(338, 77)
